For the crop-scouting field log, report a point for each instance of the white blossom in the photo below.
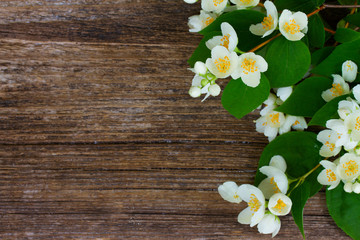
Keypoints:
(228, 39)
(278, 162)
(255, 211)
(242, 4)
(339, 87)
(328, 138)
(222, 63)
(349, 71)
(229, 192)
(328, 176)
(348, 167)
(293, 25)
(276, 181)
(280, 204)
(271, 124)
(197, 23)
(249, 69)
(270, 224)
(213, 5)
(269, 23)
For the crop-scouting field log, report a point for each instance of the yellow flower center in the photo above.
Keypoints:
(223, 64)
(267, 22)
(254, 203)
(349, 67)
(217, 2)
(274, 118)
(246, 1)
(225, 41)
(248, 65)
(336, 90)
(357, 124)
(280, 205)
(351, 168)
(292, 28)
(236, 196)
(331, 146)
(209, 20)
(275, 186)
(296, 123)
(330, 175)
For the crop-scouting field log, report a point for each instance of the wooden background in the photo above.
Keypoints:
(99, 138)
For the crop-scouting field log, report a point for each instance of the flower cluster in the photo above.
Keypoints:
(342, 132)
(224, 61)
(272, 123)
(270, 194)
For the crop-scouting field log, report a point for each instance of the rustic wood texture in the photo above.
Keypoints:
(99, 138)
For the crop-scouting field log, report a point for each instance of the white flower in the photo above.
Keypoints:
(356, 188)
(270, 104)
(213, 5)
(271, 124)
(294, 122)
(280, 204)
(214, 90)
(348, 187)
(250, 66)
(270, 224)
(356, 92)
(328, 176)
(346, 107)
(269, 23)
(348, 168)
(342, 137)
(242, 4)
(339, 87)
(229, 192)
(197, 23)
(293, 25)
(222, 63)
(352, 123)
(255, 211)
(284, 93)
(275, 182)
(228, 39)
(278, 162)
(195, 92)
(349, 71)
(200, 68)
(328, 138)
(190, 1)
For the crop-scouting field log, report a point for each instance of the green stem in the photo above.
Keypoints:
(238, 50)
(302, 179)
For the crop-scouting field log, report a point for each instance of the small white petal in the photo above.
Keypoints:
(195, 92)
(348, 187)
(278, 162)
(214, 90)
(356, 92)
(228, 191)
(200, 68)
(349, 71)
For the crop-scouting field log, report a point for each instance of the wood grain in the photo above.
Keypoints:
(99, 138)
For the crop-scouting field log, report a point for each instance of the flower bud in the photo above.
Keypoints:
(195, 92)
(349, 71)
(214, 90)
(348, 187)
(204, 82)
(270, 224)
(356, 188)
(200, 68)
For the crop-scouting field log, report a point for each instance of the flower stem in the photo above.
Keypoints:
(302, 178)
(238, 50)
(264, 43)
(340, 6)
(352, 12)
(329, 30)
(316, 11)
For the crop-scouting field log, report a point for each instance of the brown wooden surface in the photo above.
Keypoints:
(99, 138)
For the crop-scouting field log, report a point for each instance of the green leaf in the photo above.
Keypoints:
(333, 63)
(239, 99)
(344, 208)
(288, 62)
(306, 99)
(301, 153)
(306, 6)
(328, 111)
(319, 55)
(299, 197)
(347, 2)
(343, 35)
(202, 52)
(354, 19)
(316, 32)
(240, 20)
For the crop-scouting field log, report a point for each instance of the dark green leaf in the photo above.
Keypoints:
(328, 111)
(301, 153)
(333, 63)
(346, 2)
(288, 62)
(319, 55)
(240, 99)
(299, 197)
(344, 208)
(316, 32)
(354, 19)
(306, 6)
(240, 20)
(343, 35)
(306, 99)
(202, 52)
